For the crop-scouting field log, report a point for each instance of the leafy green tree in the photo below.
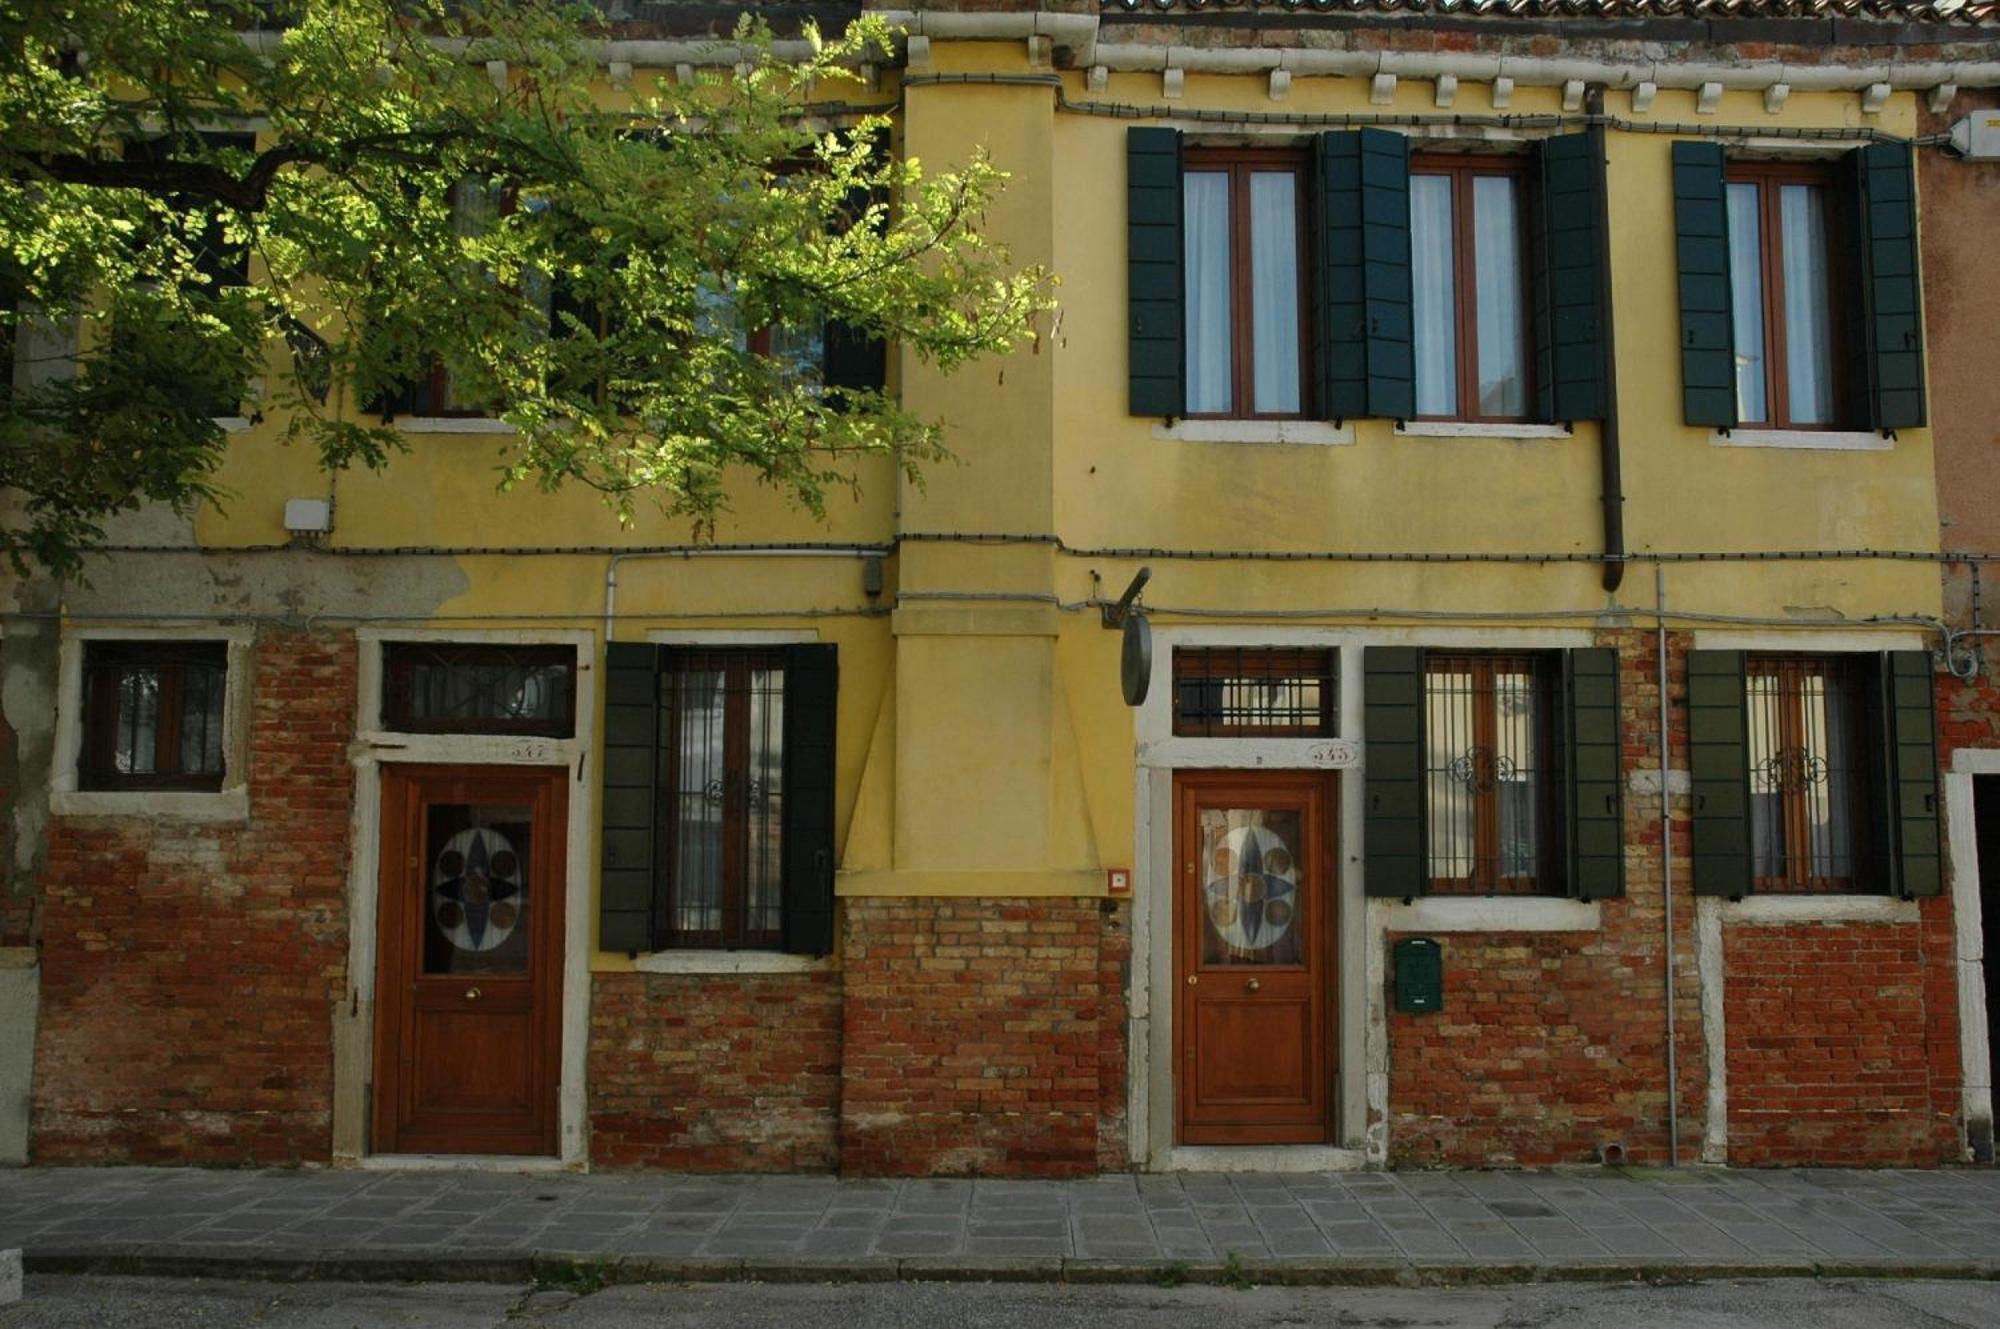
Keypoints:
(300, 207)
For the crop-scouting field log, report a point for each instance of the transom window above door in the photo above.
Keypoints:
(1244, 238)
(1471, 311)
(1253, 692)
(478, 688)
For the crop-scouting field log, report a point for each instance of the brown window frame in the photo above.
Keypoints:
(1797, 878)
(1485, 877)
(735, 664)
(399, 661)
(1462, 169)
(1768, 176)
(1228, 664)
(106, 664)
(1239, 164)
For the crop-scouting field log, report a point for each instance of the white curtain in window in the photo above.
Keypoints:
(1808, 315)
(1746, 290)
(1206, 246)
(1274, 290)
(1435, 316)
(1496, 266)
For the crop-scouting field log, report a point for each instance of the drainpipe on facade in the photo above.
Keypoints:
(1667, 871)
(1611, 471)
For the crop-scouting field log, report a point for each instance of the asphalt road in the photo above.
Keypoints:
(159, 1303)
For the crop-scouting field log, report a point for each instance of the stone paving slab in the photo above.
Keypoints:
(1315, 1227)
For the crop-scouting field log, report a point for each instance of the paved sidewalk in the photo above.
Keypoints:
(1324, 1227)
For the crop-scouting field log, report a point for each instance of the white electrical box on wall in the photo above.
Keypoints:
(1977, 136)
(308, 516)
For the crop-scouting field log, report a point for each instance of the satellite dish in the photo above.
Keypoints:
(1135, 667)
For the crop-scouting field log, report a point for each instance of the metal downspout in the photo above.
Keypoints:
(1667, 872)
(1611, 472)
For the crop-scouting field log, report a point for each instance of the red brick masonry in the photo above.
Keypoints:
(984, 1036)
(715, 1072)
(190, 969)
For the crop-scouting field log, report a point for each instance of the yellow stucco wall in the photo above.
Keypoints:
(983, 745)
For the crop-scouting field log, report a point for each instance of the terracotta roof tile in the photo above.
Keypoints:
(1973, 12)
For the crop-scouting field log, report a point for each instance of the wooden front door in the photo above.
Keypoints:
(468, 970)
(1253, 946)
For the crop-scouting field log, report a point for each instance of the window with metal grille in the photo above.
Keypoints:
(1489, 782)
(724, 764)
(1808, 775)
(1250, 693)
(478, 688)
(153, 715)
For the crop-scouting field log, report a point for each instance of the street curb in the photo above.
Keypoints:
(589, 1270)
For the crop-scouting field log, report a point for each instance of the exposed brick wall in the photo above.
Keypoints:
(189, 970)
(715, 1073)
(1843, 1037)
(1829, 1062)
(980, 1036)
(1552, 1043)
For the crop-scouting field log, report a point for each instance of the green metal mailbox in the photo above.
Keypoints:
(1419, 975)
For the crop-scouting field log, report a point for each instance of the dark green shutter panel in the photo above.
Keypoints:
(1571, 306)
(1909, 804)
(1392, 703)
(853, 360)
(1364, 355)
(1595, 796)
(627, 883)
(812, 694)
(1701, 247)
(1719, 763)
(1153, 259)
(1891, 321)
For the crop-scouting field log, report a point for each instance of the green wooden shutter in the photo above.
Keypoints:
(1701, 246)
(1392, 703)
(1719, 763)
(1363, 345)
(1571, 306)
(1595, 793)
(1153, 259)
(1891, 321)
(628, 884)
(1908, 805)
(812, 693)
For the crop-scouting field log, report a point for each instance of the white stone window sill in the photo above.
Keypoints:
(1315, 432)
(450, 424)
(1482, 913)
(731, 962)
(220, 805)
(1479, 429)
(1778, 910)
(232, 424)
(1805, 440)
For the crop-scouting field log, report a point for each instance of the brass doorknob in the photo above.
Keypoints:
(472, 994)
(1252, 986)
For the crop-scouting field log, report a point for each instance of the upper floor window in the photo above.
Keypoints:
(1243, 236)
(1782, 226)
(1470, 315)
(479, 688)
(153, 715)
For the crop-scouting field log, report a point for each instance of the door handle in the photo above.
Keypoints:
(1253, 986)
(472, 994)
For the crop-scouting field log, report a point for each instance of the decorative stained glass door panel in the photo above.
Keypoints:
(1253, 948)
(469, 960)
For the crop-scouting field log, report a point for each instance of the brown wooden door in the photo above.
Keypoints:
(468, 973)
(1253, 946)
